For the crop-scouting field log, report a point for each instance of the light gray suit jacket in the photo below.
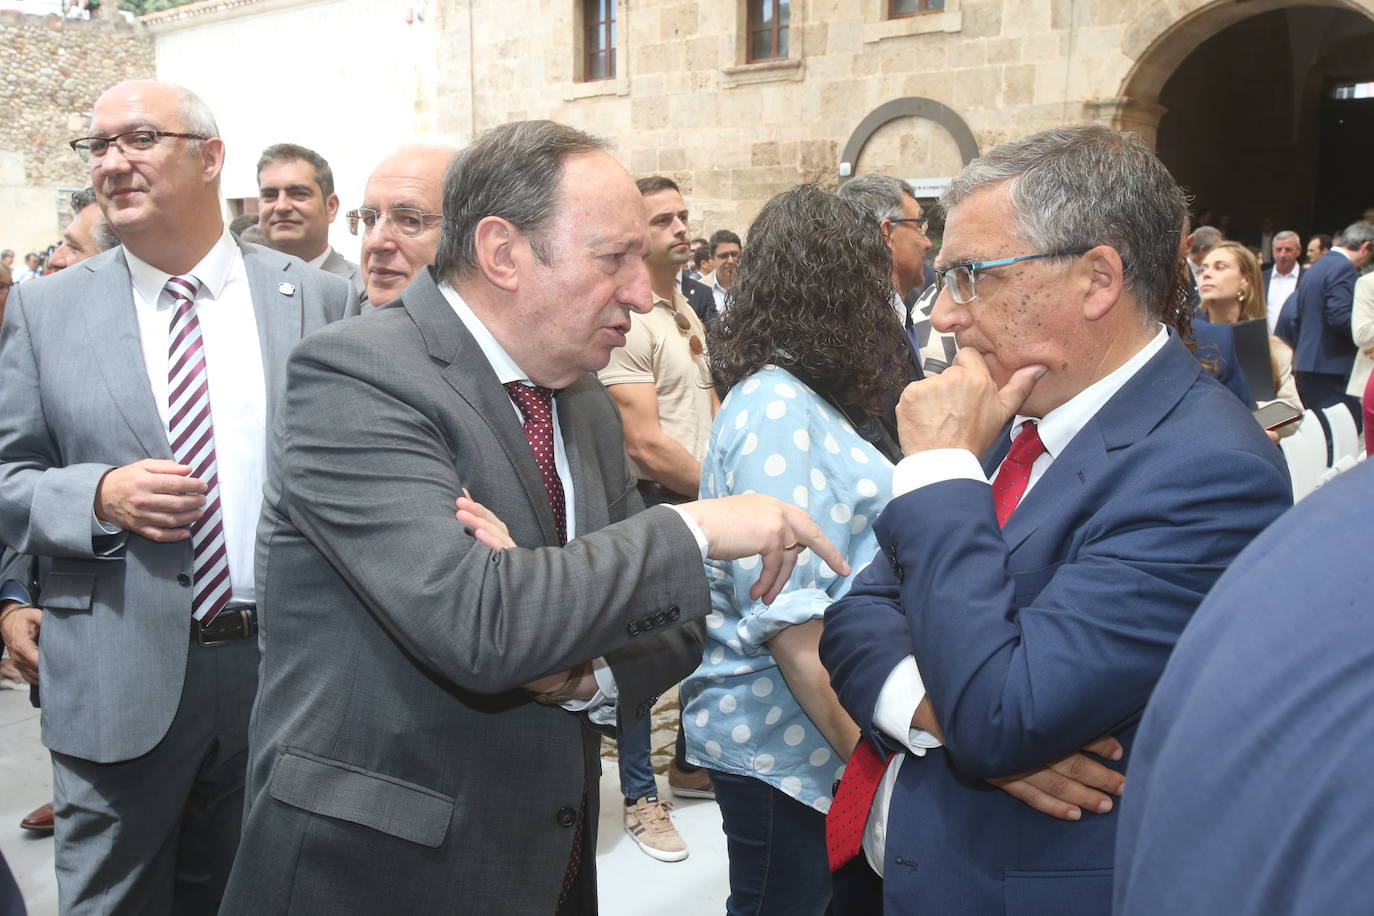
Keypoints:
(74, 403)
(396, 763)
(341, 266)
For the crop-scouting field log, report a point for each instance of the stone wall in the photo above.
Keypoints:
(54, 69)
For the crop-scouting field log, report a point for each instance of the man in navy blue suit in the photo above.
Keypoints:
(1323, 350)
(1002, 627)
(1250, 790)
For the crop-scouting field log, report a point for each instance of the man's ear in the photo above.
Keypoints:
(1106, 281)
(212, 158)
(495, 239)
(331, 206)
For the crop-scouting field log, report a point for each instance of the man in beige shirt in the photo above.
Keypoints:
(661, 383)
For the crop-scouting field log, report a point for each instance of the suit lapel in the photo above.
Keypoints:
(589, 490)
(467, 371)
(117, 349)
(1125, 419)
(278, 313)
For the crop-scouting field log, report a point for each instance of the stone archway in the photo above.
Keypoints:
(910, 107)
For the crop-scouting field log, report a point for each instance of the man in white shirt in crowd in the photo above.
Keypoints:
(1281, 279)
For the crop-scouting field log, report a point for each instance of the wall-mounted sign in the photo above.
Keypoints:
(928, 187)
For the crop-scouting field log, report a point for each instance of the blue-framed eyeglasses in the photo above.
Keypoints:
(962, 282)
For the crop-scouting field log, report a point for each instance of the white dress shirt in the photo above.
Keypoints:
(238, 386)
(903, 690)
(507, 371)
(1281, 286)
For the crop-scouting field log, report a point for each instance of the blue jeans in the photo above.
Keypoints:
(636, 769)
(777, 850)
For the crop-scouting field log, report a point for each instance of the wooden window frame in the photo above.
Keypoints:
(775, 29)
(925, 7)
(593, 32)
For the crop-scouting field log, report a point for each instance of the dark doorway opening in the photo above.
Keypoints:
(1252, 131)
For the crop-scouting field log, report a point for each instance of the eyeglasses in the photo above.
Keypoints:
(920, 221)
(684, 328)
(132, 143)
(406, 221)
(962, 283)
(727, 256)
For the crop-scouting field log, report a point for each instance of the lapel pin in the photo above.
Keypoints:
(286, 289)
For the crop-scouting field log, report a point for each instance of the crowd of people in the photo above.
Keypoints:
(331, 578)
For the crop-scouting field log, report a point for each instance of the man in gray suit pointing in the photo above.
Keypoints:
(421, 741)
(136, 389)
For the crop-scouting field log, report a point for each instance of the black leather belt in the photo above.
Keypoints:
(660, 492)
(230, 624)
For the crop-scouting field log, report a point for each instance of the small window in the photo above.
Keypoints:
(899, 8)
(1353, 91)
(768, 21)
(599, 17)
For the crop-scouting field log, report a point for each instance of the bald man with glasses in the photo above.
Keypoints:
(399, 219)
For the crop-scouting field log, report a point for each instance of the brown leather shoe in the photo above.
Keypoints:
(39, 819)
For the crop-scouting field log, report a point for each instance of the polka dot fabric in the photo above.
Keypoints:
(773, 435)
(536, 406)
(1010, 484)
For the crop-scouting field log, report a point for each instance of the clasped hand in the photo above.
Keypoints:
(154, 498)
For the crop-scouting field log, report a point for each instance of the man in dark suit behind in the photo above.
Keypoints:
(1004, 626)
(1250, 789)
(421, 739)
(1323, 350)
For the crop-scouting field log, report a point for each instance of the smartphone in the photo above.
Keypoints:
(1277, 415)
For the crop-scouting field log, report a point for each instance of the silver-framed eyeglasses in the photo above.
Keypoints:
(961, 279)
(132, 143)
(406, 221)
(920, 222)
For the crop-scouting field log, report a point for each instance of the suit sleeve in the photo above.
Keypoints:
(1025, 669)
(369, 476)
(1338, 297)
(46, 508)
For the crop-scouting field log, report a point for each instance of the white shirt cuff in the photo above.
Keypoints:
(933, 466)
(902, 692)
(99, 528)
(694, 527)
(606, 690)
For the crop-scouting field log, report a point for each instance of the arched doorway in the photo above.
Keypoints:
(1246, 118)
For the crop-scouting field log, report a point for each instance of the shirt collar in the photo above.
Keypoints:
(672, 305)
(320, 258)
(1292, 273)
(1059, 426)
(501, 363)
(212, 272)
(1348, 256)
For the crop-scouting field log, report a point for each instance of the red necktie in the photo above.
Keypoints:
(848, 817)
(1010, 484)
(191, 432)
(536, 405)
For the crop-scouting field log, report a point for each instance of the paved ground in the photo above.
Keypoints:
(632, 884)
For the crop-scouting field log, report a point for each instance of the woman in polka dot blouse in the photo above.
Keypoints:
(811, 350)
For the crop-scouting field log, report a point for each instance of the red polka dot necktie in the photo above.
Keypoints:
(536, 406)
(1010, 484)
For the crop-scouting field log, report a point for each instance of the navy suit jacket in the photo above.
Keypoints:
(1036, 639)
(1216, 349)
(701, 299)
(1250, 789)
(1321, 320)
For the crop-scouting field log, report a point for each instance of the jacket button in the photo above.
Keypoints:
(633, 628)
(183, 579)
(660, 619)
(674, 613)
(567, 816)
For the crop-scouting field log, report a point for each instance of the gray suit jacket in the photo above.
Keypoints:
(343, 267)
(395, 763)
(75, 403)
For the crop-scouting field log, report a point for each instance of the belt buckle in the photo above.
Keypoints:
(202, 640)
(230, 636)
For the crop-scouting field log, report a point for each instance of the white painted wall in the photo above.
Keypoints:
(350, 79)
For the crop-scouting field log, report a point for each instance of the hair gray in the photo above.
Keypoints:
(195, 115)
(1284, 235)
(1356, 234)
(1079, 187)
(881, 195)
(289, 152)
(101, 233)
(1204, 239)
(513, 172)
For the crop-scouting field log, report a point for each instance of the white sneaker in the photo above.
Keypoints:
(648, 824)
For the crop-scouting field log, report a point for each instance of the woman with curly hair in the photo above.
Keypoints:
(812, 352)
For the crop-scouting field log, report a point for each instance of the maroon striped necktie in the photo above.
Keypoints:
(191, 432)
